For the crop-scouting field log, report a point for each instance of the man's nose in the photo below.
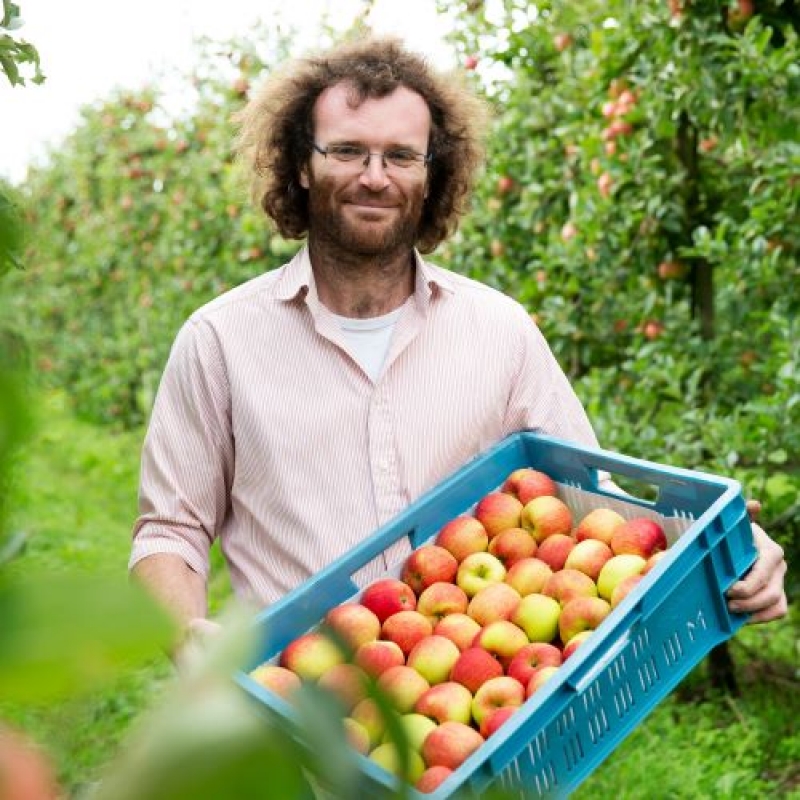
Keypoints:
(374, 173)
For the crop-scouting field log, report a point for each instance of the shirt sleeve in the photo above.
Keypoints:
(187, 458)
(542, 398)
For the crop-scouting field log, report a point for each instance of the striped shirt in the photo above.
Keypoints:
(266, 432)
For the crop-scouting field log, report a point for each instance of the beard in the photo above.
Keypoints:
(331, 227)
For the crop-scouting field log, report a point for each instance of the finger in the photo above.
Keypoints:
(753, 509)
(762, 599)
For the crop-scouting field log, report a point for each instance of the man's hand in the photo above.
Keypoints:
(197, 633)
(760, 593)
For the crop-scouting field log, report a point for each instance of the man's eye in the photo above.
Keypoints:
(402, 158)
(346, 152)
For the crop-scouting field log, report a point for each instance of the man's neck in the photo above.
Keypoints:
(359, 286)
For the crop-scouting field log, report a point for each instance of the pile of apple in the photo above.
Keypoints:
(476, 623)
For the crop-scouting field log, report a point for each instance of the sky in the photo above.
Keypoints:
(90, 47)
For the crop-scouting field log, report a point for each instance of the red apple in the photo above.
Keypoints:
(555, 549)
(346, 682)
(403, 686)
(530, 658)
(588, 557)
(459, 628)
(462, 536)
(494, 719)
(368, 714)
(528, 575)
(446, 701)
(357, 735)
(527, 483)
(640, 536)
(505, 183)
(433, 658)
(450, 745)
(439, 600)
(599, 524)
(493, 602)
(496, 693)
(353, 623)
(387, 596)
(279, 680)
(575, 642)
(538, 679)
(470, 62)
(378, 656)
(653, 560)
(581, 614)
(502, 638)
(615, 569)
(497, 511)
(561, 41)
(406, 628)
(537, 615)
(474, 667)
(429, 564)
(432, 779)
(512, 545)
(479, 570)
(604, 184)
(311, 655)
(622, 589)
(545, 516)
(568, 583)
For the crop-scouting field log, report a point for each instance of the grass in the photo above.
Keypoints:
(75, 498)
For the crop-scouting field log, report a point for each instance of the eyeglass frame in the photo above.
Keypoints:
(422, 158)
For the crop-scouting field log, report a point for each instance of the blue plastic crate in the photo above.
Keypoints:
(641, 651)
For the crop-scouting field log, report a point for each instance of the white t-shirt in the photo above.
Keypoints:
(368, 339)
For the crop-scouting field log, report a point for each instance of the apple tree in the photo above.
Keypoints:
(641, 199)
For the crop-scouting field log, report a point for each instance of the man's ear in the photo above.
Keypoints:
(304, 177)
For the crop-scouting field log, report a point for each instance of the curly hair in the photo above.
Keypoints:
(275, 131)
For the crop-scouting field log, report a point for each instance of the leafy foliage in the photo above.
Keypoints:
(16, 53)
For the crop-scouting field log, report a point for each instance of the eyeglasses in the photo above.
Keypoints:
(399, 157)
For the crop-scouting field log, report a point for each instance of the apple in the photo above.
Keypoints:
(474, 667)
(450, 745)
(439, 600)
(622, 589)
(598, 524)
(387, 596)
(653, 560)
(652, 329)
(575, 642)
(459, 628)
(353, 624)
(502, 638)
(311, 655)
(479, 570)
(357, 735)
(378, 656)
(470, 62)
(505, 183)
(588, 556)
(406, 628)
(568, 583)
(496, 693)
(497, 511)
(493, 602)
(444, 701)
(537, 615)
(279, 680)
(528, 575)
(433, 658)
(347, 682)
(387, 755)
(462, 536)
(415, 728)
(530, 658)
(403, 686)
(605, 183)
(527, 483)
(555, 549)
(544, 516)
(369, 715)
(640, 536)
(538, 679)
(494, 719)
(429, 564)
(580, 614)
(615, 569)
(512, 545)
(569, 231)
(673, 270)
(432, 779)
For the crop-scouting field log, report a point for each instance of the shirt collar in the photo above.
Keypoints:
(297, 280)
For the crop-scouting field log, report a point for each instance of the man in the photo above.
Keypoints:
(303, 409)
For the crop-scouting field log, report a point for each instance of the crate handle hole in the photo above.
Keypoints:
(624, 485)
